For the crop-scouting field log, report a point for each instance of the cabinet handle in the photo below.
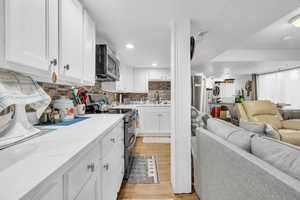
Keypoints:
(67, 67)
(53, 62)
(91, 167)
(106, 166)
(113, 140)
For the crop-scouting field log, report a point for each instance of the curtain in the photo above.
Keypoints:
(280, 87)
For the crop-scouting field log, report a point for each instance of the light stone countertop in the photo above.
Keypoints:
(135, 106)
(24, 166)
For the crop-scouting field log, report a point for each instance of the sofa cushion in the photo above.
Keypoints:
(233, 134)
(273, 120)
(263, 111)
(271, 132)
(242, 139)
(256, 127)
(253, 108)
(240, 111)
(220, 127)
(291, 124)
(281, 155)
(290, 136)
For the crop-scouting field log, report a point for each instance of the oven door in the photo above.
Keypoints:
(128, 156)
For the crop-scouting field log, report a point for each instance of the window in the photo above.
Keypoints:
(280, 87)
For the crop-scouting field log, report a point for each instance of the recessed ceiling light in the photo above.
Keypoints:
(129, 46)
(154, 64)
(295, 21)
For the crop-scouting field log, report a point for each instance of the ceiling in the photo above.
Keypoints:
(232, 25)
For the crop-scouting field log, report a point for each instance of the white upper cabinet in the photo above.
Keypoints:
(31, 34)
(2, 34)
(53, 35)
(159, 75)
(125, 84)
(126, 79)
(89, 68)
(71, 41)
(39, 37)
(140, 80)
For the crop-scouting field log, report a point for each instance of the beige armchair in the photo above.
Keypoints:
(268, 113)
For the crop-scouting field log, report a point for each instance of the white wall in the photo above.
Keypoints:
(280, 87)
(239, 82)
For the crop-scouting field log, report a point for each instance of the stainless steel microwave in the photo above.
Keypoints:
(107, 65)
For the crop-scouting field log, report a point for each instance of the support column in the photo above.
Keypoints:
(181, 106)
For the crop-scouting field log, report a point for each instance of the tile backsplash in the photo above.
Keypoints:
(162, 87)
(55, 91)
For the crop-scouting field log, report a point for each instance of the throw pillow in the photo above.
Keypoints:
(271, 132)
(204, 119)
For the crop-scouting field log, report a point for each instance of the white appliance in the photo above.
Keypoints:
(17, 91)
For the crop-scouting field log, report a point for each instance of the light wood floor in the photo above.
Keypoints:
(154, 191)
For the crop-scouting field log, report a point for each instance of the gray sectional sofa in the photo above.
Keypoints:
(232, 164)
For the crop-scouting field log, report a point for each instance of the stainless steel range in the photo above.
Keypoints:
(129, 136)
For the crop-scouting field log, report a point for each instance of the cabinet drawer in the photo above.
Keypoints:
(115, 137)
(77, 176)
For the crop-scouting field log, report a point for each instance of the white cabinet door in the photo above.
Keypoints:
(149, 121)
(165, 121)
(159, 74)
(26, 33)
(82, 171)
(112, 170)
(89, 43)
(90, 190)
(129, 79)
(53, 46)
(141, 80)
(50, 191)
(112, 174)
(71, 40)
(2, 33)
(154, 121)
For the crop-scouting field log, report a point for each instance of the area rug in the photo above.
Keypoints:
(157, 140)
(143, 171)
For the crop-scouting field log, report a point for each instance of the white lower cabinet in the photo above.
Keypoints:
(112, 171)
(81, 173)
(154, 121)
(91, 189)
(51, 190)
(96, 175)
